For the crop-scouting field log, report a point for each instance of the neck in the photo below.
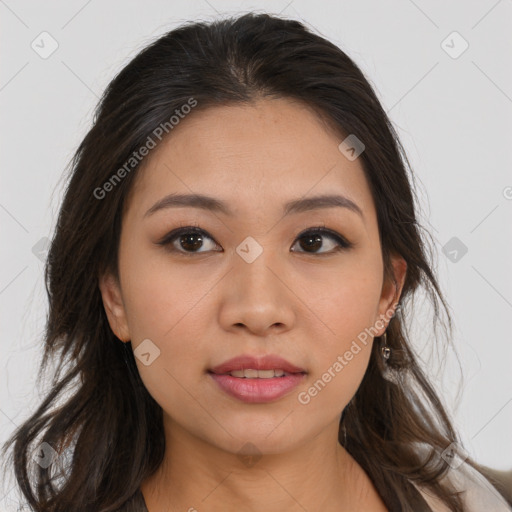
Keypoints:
(196, 475)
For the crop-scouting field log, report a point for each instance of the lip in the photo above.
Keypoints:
(256, 390)
(246, 362)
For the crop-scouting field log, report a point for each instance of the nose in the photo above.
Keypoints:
(258, 296)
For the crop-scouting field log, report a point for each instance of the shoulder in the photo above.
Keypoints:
(476, 491)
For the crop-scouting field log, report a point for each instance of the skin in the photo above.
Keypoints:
(302, 304)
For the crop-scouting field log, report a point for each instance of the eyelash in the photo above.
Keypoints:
(168, 239)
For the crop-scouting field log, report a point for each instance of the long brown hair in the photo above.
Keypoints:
(96, 383)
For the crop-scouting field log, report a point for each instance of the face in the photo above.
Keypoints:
(251, 278)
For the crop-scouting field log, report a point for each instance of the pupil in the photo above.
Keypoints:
(188, 239)
(317, 240)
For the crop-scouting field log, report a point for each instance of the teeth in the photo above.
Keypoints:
(258, 374)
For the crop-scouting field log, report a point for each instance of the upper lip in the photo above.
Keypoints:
(266, 362)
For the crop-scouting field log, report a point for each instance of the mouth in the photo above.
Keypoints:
(251, 373)
(253, 380)
(252, 367)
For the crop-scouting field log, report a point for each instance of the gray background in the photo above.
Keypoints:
(453, 113)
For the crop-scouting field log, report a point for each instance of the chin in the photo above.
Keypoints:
(264, 439)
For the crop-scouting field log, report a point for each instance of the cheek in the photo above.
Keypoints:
(345, 310)
(164, 305)
(338, 370)
(345, 305)
(330, 389)
(160, 297)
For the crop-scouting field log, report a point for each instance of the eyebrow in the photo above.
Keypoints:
(215, 205)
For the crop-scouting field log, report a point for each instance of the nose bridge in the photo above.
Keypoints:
(256, 265)
(257, 297)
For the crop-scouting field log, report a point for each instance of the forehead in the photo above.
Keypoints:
(257, 155)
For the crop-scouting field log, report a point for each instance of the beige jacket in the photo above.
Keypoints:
(479, 495)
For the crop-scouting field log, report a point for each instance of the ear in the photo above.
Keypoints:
(391, 292)
(114, 307)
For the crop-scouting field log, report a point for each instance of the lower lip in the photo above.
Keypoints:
(257, 390)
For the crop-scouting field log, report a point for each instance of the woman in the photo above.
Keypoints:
(228, 284)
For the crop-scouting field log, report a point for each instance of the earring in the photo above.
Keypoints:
(385, 350)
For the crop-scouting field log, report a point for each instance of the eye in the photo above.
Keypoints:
(189, 239)
(313, 240)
